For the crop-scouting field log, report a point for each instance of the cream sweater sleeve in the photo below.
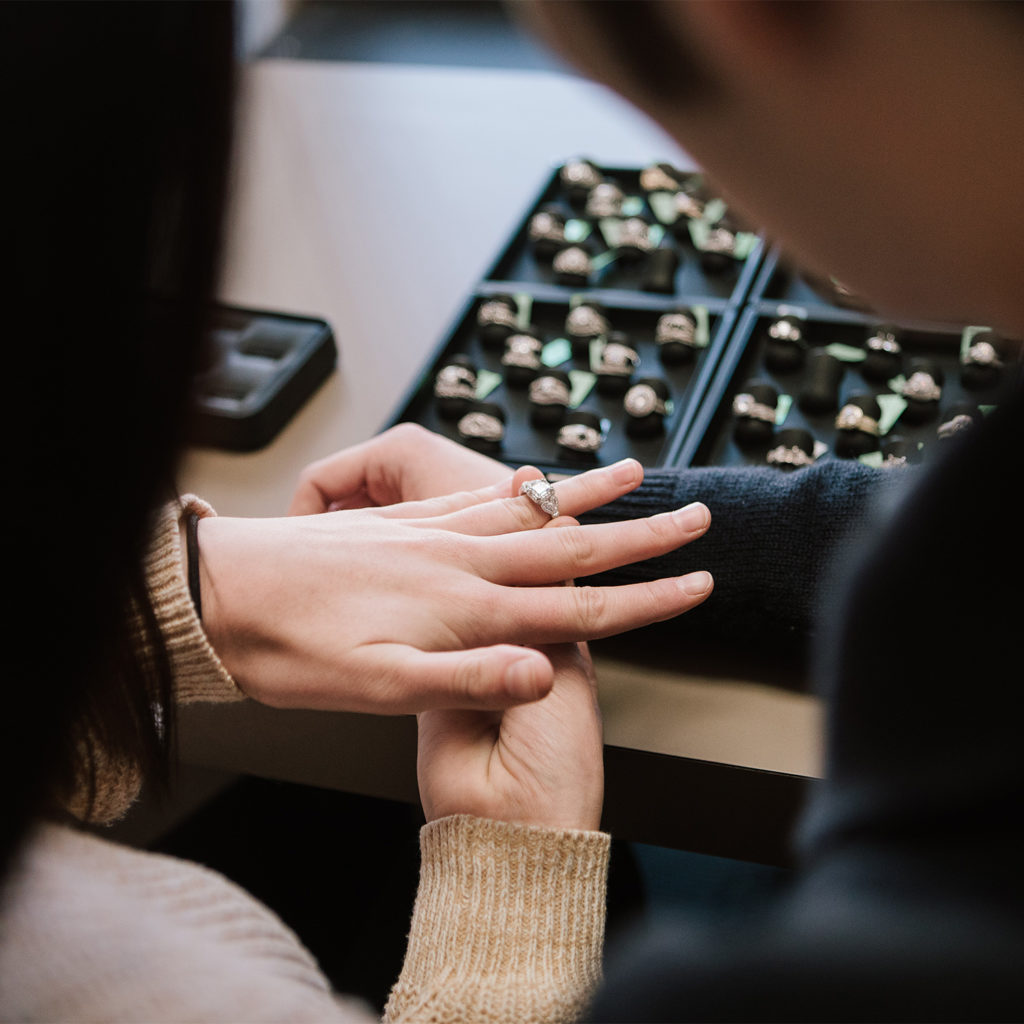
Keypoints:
(199, 674)
(508, 924)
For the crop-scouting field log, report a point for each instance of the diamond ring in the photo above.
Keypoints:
(541, 493)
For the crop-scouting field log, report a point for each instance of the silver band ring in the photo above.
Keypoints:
(642, 400)
(922, 386)
(578, 437)
(481, 426)
(982, 353)
(549, 391)
(853, 417)
(791, 456)
(748, 407)
(541, 493)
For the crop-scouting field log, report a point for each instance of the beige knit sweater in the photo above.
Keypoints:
(508, 922)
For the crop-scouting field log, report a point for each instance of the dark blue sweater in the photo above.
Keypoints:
(908, 903)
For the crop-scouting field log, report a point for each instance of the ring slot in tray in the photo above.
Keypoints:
(712, 438)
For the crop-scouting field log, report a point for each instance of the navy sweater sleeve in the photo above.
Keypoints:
(772, 543)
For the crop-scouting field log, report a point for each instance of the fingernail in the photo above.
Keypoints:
(693, 517)
(696, 583)
(625, 471)
(522, 679)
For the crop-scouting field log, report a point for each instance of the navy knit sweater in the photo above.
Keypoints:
(908, 903)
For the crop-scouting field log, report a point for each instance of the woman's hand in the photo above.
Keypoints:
(423, 605)
(405, 463)
(538, 764)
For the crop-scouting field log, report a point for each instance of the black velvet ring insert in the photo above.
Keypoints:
(824, 373)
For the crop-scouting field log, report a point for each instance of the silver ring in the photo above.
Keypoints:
(656, 179)
(785, 330)
(676, 327)
(642, 400)
(634, 233)
(605, 200)
(573, 261)
(688, 206)
(579, 438)
(982, 353)
(750, 408)
(580, 172)
(884, 341)
(585, 322)
(793, 456)
(853, 417)
(922, 386)
(482, 426)
(618, 360)
(497, 313)
(955, 425)
(522, 350)
(541, 493)
(545, 227)
(720, 240)
(455, 382)
(549, 391)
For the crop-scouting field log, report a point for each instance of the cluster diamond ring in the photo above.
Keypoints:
(541, 493)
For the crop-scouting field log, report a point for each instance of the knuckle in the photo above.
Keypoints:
(468, 678)
(592, 603)
(578, 546)
(524, 513)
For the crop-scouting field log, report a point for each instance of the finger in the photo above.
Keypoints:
(432, 508)
(559, 523)
(549, 556)
(332, 479)
(576, 494)
(548, 615)
(360, 499)
(407, 680)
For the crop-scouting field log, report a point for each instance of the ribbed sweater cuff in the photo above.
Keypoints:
(508, 923)
(199, 674)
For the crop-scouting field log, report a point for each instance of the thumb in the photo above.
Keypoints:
(482, 678)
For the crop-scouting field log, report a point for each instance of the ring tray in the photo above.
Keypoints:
(913, 425)
(265, 366)
(619, 286)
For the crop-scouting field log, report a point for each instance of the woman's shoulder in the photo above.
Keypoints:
(98, 930)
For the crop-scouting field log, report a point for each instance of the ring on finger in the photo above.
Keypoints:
(541, 493)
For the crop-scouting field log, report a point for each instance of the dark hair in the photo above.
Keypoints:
(117, 145)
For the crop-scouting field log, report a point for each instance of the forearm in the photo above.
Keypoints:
(772, 542)
(508, 924)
